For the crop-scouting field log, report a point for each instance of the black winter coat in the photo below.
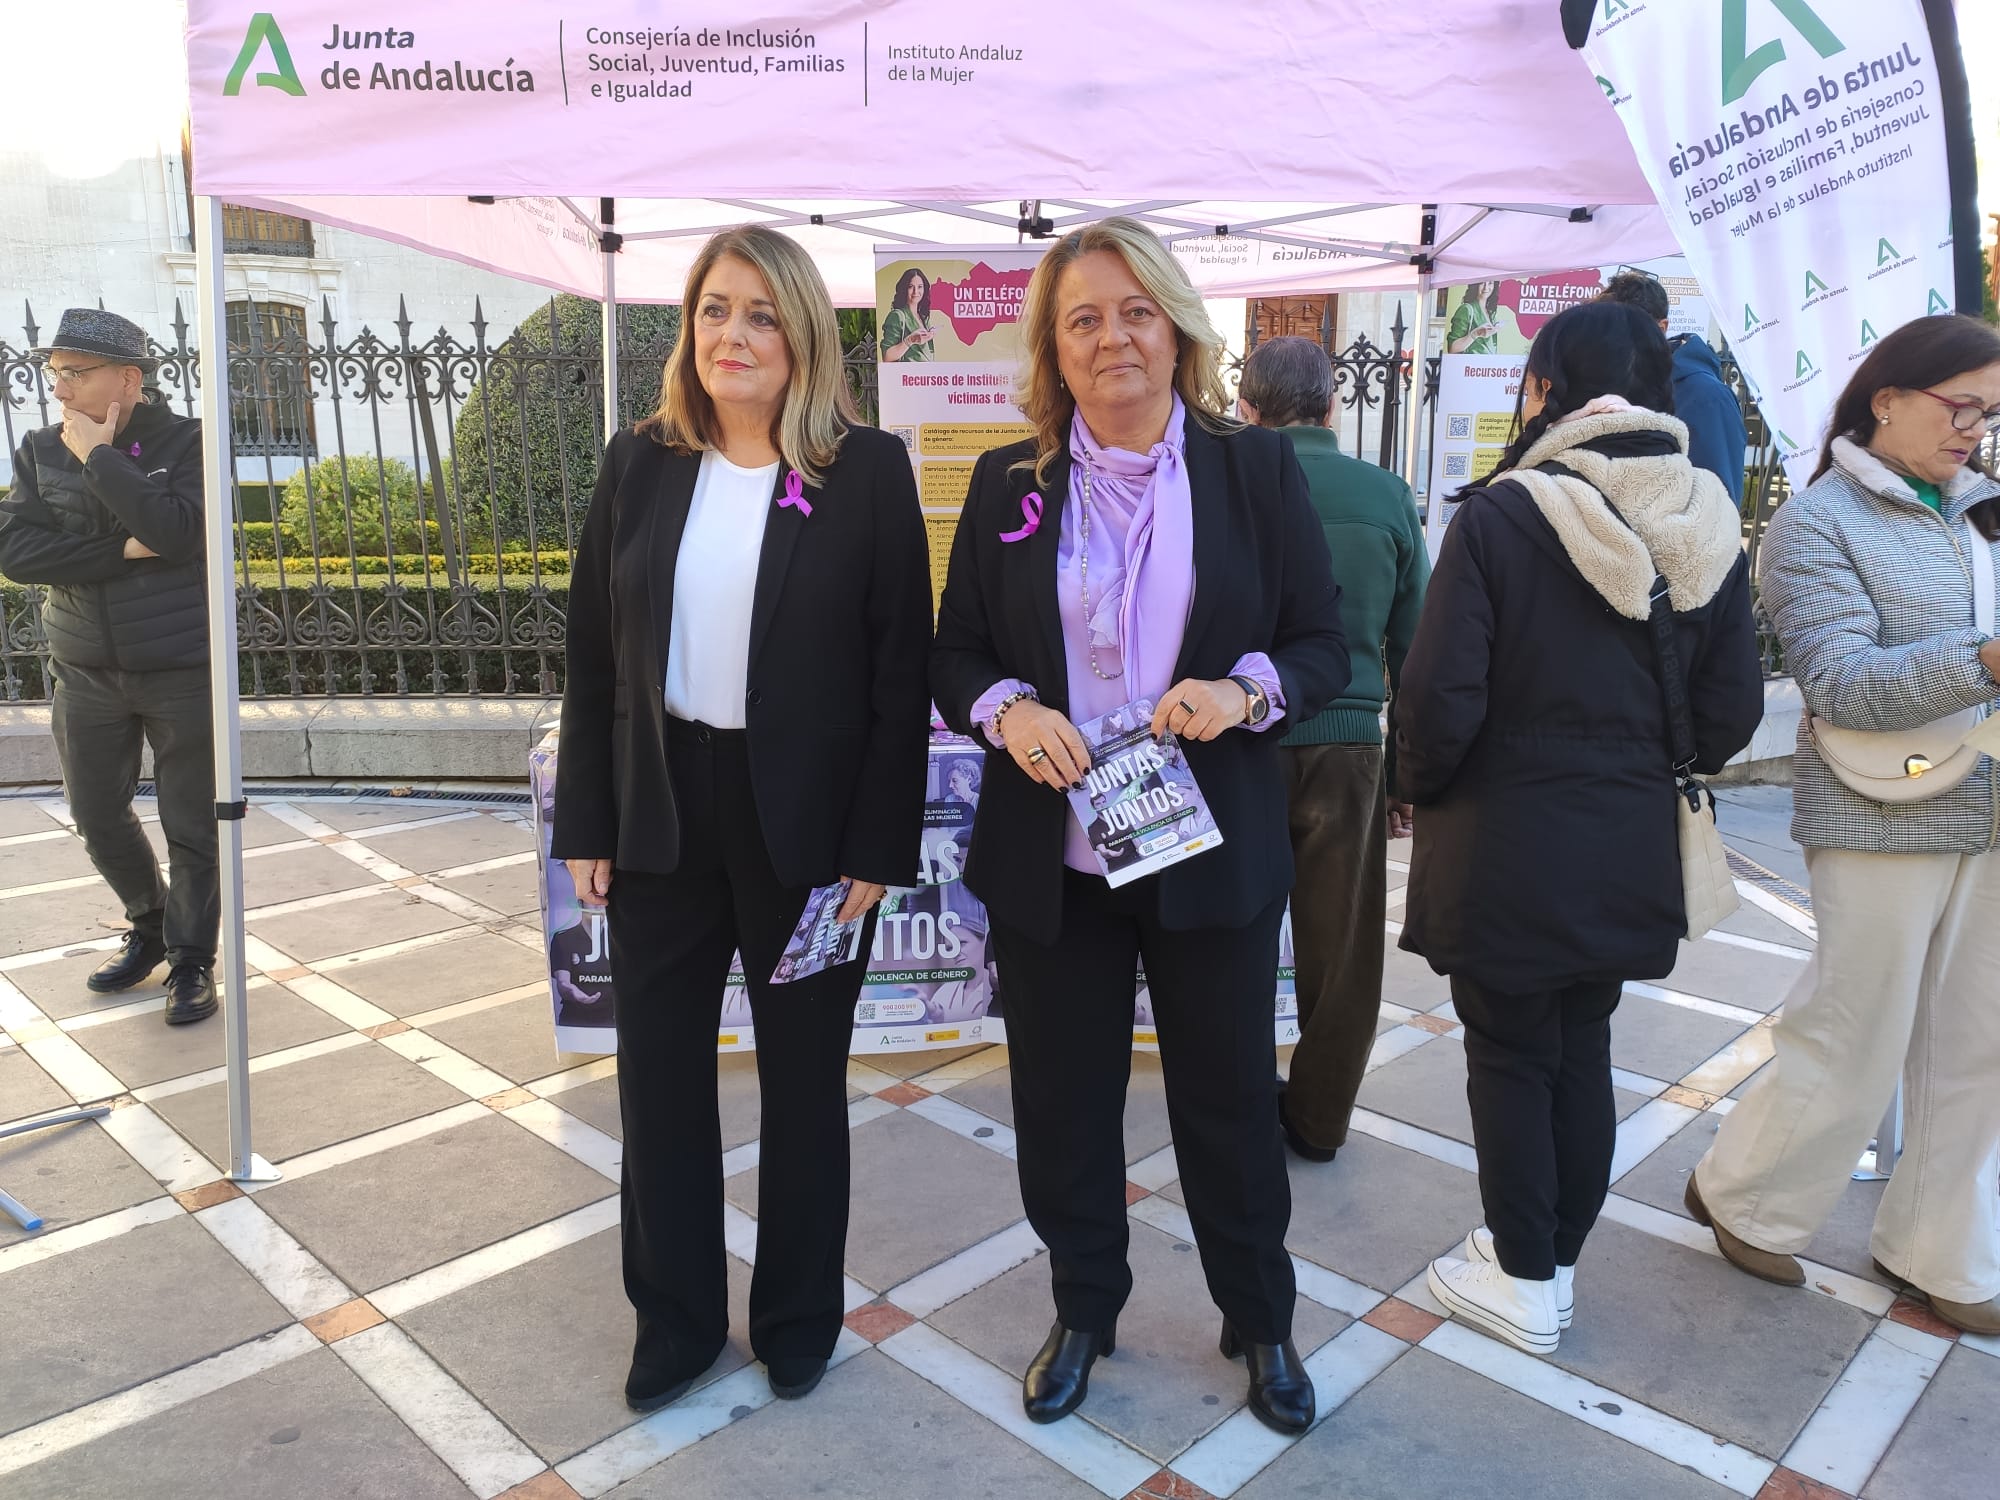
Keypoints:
(1532, 737)
(64, 526)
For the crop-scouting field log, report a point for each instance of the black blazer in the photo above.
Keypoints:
(1263, 582)
(836, 708)
(1532, 736)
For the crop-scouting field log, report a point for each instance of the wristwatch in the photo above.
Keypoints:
(1260, 706)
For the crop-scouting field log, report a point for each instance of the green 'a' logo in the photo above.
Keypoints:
(1610, 88)
(1790, 446)
(264, 31)
(1750, 319)
(1937, 304)
(1813, 284)
(1804, 367)
(1612, 7)
(1885, 252)
(1741, 68)
(1868, 333)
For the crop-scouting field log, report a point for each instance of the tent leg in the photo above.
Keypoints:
(233, 974)
(1414, 416)
(609, 241)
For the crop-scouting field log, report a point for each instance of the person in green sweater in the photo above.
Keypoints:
(1341, 815)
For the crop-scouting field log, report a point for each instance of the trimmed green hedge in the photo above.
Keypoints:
(517, 567)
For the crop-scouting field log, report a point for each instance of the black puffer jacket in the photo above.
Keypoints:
(64, 526)
(1533, 733)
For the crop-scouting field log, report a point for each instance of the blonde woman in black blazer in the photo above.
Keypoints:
(745, 718)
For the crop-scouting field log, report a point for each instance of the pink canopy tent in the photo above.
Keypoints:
(1350, 144)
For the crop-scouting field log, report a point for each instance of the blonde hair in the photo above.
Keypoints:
(817, 409)
(1040, 392)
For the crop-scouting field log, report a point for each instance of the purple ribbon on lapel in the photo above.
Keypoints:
(1031, 519)
(795, 493)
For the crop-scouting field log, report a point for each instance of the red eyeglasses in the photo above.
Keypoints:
(1966, 415)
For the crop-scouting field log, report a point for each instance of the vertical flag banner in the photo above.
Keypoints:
(1798, 149)
(948, 341)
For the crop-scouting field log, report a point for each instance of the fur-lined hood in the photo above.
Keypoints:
(1678, 522)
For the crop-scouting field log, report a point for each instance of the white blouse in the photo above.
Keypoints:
(715, 580)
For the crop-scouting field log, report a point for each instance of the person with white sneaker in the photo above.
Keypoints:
(1532, 736)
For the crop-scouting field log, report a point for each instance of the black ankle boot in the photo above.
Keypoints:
(1058, 1377)
(1281, 1393)
(137, 956)
(1301, 1147)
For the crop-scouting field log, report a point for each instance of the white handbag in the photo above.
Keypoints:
(1913, 765)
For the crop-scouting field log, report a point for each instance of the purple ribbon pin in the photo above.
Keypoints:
(795, 493)
(135, 450)
(1031, 519)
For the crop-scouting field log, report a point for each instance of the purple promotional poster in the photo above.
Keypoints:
(930, 980)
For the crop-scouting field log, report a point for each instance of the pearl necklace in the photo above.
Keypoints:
(1083, 569)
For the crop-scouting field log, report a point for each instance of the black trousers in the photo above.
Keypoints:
(1069, 1043)
(102, 719)
(1538, 1077)
(671, 941)
(1338, 805)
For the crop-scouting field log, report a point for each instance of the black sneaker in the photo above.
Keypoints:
(190, 993)
(138, 955)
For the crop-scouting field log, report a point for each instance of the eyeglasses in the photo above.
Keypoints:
(1967, 415)
(71, 373)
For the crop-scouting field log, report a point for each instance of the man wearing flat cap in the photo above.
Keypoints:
(106, 515)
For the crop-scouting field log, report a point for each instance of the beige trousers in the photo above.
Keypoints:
(1907, 973)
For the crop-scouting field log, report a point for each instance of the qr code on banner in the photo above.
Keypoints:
(865, 1011)
(1458, 466)
(1458, 427)
(908, 436)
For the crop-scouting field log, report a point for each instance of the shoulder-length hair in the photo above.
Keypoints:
(817, 409)
(902, 297)
(1040, 392)
(1593, 349)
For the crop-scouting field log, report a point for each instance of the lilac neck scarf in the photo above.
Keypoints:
(1141, 561)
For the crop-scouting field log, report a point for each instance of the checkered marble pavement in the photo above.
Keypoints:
(428, 1303)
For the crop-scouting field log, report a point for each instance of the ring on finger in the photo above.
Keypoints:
(1189, 707)
(1037, 755)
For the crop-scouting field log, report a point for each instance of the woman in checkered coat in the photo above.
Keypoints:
(1869, 576)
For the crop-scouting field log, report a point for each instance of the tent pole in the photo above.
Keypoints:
(609, 241)
(1419, 356)
(226, 714)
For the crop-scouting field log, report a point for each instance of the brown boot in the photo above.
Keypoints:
(1763, 1264)
(1970, 1317)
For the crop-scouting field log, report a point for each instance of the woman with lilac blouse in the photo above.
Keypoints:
(1140, 545)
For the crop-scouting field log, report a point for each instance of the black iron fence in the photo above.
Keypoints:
(406, 507)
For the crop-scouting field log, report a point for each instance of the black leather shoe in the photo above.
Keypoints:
(137, 957)
(190, 994)
(657, 1377)
(1300, 1145)
(1058, 1377)
(647, 1389)
(1281, 1393)
(794, 1378)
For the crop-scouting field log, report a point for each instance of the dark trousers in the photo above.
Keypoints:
(1340, 846)
(102, 719)
(1538, 1076)
(671, 941)
(1069, 1043)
